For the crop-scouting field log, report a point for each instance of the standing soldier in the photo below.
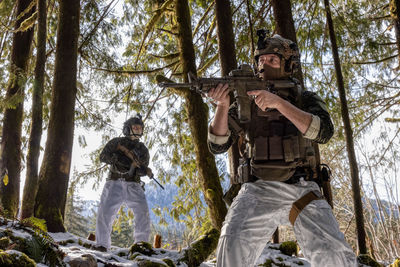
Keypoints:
(277, 165)
(129, 159)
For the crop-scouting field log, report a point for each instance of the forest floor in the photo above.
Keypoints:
(21, 245)
(25, 246)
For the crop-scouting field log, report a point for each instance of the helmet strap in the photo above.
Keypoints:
(269, 73)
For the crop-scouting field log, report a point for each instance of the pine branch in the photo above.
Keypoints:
(154, 19)
(377, 61)
(137, 72)
(92, 32)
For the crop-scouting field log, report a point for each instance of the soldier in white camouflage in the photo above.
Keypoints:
(123, 185)
(277, 165)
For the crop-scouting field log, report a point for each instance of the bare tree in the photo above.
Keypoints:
(55, 169)
(355, 181)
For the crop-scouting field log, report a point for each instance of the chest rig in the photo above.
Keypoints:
(275, 149)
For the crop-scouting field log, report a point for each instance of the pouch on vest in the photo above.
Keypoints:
(273, 171)
(243, 172)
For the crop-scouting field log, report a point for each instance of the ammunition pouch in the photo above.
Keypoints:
(273, 171)
(243, 172)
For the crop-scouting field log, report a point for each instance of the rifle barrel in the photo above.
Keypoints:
(176, 85)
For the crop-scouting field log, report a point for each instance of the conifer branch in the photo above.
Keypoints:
(137, 72)
(377, 61)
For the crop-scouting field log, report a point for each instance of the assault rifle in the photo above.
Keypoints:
(240, 82)
(136, 163)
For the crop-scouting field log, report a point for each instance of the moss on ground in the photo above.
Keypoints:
(367, 260)
(289, 248)
(142, 248)
(15, 259)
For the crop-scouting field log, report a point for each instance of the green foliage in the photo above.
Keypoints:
(201, 248)
(288, 248)
(396, 263)
(271, 263)
(40, 246)
(12, 259)
(35, 223)
(4, 242)
(367, 260)
(142, 248)
(169, 262)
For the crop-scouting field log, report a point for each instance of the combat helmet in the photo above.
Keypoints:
(287, 50)
(137, 119)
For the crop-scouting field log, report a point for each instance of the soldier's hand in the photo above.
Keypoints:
(220, 94)
(135, 164)
(265, 99)
(149, 172)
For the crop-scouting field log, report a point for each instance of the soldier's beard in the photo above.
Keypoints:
(269, 73)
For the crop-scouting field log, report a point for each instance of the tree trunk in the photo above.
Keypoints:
(54, 172)
(395, 14)
(199, 250)
(355, 182)
(198, 119)
(32, 158)
(10, 150)
(227, 61)
(285, 25)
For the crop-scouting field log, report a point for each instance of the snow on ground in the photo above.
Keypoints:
(77, 248)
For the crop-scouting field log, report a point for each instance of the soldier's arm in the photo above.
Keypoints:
(264, 100)
(108, 154)
(144, 159)
(321, 128)
(221, 143)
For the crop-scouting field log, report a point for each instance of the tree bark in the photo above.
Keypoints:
(10, 151)
(395, 14)
(198, 119)
(227, 60)
(285, 26)
(32, 158)
(55, 169)
(355, 181)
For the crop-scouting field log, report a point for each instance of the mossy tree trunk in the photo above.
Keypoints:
(32, 158)
(10, 150)
(55, 169)
(227, 61)
(355, 180)
(197, 112)
(199, 250)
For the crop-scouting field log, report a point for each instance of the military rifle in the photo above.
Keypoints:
(240, 81)
(136, 163)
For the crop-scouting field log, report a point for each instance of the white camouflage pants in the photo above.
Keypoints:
(115, 193)
(262, 206)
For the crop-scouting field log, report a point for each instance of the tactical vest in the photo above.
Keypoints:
(275, 147)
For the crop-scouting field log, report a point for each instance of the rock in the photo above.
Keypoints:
(86, 260)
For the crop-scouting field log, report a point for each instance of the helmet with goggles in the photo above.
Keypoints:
(286, 49)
